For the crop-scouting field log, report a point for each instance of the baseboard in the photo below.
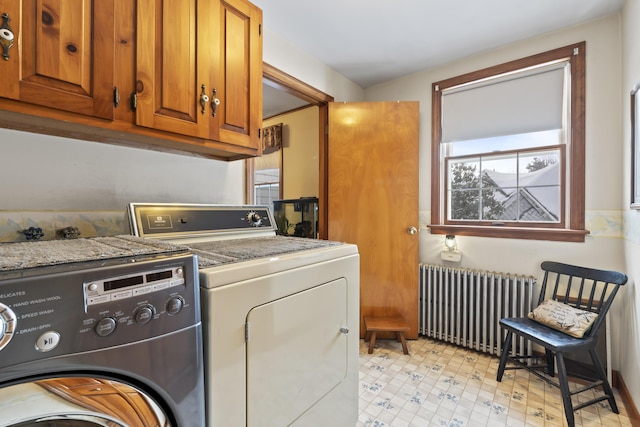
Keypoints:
(632, 410)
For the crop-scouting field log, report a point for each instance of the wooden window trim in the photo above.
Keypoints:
(576, 154)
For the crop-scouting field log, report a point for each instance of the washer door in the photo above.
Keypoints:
(78, 402)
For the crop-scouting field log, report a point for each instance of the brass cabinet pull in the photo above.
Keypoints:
(214, 102)
(204, 99)
(6, 36)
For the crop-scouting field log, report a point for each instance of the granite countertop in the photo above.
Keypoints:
(23, 255)
(221, 252)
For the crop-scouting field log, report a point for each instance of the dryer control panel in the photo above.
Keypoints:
(169, 221)
(80, 310)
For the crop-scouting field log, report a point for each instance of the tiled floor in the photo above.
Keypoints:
(440, 384)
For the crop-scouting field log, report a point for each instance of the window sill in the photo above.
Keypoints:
(558, 235)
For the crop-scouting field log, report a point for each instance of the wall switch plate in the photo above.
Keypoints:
(451, 256)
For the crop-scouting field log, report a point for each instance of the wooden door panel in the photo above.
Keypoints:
(373, 200)
(178, 78)
(111, 398)
(63, 48)
(172, 66)
(67, 56)
(238, 78)
(10, 68)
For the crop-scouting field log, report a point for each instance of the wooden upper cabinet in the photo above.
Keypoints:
(173, 66)
(238, 75)
(199, 69)
(62, 56)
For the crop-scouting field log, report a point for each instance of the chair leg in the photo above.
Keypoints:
(549, 357)
(605, 382)
(564, 390)
(505, 355)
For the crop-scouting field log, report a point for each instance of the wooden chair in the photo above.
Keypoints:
(575, 287)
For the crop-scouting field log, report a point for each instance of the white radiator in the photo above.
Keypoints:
(464, 306)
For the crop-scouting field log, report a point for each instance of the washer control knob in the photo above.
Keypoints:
(254, 218)
(106, 326)
(8, 323)
(144, 314)
(174, 305)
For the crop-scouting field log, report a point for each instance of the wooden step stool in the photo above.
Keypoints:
(374, 324)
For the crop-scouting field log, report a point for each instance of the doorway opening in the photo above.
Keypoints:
(280, 80)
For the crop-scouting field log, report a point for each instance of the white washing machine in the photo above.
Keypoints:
(280, 315)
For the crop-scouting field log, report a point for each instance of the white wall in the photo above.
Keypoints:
(292, 60)
(630, 327)
(604, 154)
(41, 172)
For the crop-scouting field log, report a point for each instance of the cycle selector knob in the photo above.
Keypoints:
(144, 314)
(8, 323)
(254, 218)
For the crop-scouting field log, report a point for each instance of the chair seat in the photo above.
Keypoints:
(546, 336)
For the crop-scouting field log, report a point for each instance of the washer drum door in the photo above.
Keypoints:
(78, 402)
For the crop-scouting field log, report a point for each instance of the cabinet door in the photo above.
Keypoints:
(238, 76)
(173, 66)
(62, 55)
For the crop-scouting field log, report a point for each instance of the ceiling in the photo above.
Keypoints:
(374, 41)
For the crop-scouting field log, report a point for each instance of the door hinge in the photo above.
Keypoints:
(246, 332)
(260, 30)
(116, 97)
(133, 101)
(259, 133)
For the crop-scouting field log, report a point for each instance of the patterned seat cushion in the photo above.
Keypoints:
(563, 317)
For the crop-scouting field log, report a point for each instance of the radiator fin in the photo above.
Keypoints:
(463, 306)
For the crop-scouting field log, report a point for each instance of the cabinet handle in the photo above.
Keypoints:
(204, 99)
(214, 102)
(6, 36)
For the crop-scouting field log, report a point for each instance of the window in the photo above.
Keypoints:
(508, 149)
(267, 178)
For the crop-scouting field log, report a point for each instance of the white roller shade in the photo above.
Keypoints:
(512, 104)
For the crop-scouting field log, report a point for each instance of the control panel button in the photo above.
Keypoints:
(47, 341)
(144, 314)
(106, 326)
(174, 305)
